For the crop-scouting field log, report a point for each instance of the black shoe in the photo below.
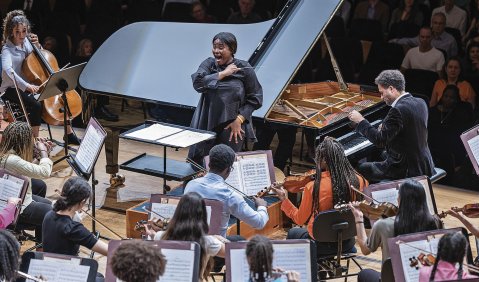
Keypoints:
(102, 112)
(73, 139)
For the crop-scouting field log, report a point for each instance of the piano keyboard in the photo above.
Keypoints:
(354, 142)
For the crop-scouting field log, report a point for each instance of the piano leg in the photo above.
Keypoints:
(112, 145)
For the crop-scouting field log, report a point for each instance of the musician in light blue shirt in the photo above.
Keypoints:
(213, 186)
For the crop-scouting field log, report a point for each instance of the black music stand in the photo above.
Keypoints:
(59, 83)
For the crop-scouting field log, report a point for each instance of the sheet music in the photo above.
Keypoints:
(179, 266)
(293, 257)
(154, 132)
(255, 173)
(184, 138)
(89, 148)
(8, 189)
(387, 195)
(408, 251)
(474, 145)
(59, 271)
(239, 265)
(167, 210)
(234, 177)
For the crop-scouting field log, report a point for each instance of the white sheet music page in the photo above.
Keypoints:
(8, 189)
(184, 138)
(179, 266)
(408, 251)
(234, 177)
(474, 145)
(154, 132)
(59, 270)
(167, 210)
(239, 265)
(293, 257)
(89, 147)
(255, 173)
(386, 195)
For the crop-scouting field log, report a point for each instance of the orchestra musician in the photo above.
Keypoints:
(16, 48)
(16, 155)
(259, 254)
(403, 133)
(413, 216)
(138, 261)
(190, 223)
(331, 187)
(230, 92)
(9, 256)
(63, 235)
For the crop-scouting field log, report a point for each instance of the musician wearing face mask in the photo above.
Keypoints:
(403, 133)
(16, 47)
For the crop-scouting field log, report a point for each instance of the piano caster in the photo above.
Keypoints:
(116, 180)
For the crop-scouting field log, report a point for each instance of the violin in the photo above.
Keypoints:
(294, 183)
(37, 67)
(423, 260)
(157, 224)
(373, 209)
(469, 210)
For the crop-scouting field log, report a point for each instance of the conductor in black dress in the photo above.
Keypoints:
(403, 133)
(230, 92)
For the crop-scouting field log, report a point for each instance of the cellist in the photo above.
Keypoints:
(16, 48)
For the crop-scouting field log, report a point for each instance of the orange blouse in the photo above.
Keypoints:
(466, 92)
(299, 216)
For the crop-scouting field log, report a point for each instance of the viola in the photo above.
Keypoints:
(469, 210)
(294, 183)
(37, 67)
(375, 211)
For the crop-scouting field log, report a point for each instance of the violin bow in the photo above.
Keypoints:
(363, 194)
(20, 98)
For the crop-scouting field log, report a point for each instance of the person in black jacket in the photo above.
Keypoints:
(403, 133)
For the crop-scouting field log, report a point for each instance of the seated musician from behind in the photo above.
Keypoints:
(413, 216)
(16, 48)
(403, 133)
(331, 188)
(259, 254)
(212, 186)
(9, 256)
(138, 261)
(190, 223)
(62, 235)
(16, 155)
(451, 251)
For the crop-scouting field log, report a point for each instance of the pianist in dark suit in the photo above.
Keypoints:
(403, 133)
(230, 92)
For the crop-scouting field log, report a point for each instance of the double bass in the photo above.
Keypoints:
(37, 67)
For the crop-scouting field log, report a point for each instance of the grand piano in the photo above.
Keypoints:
(153, 61)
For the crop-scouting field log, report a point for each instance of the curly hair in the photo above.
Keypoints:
(138, 260)
(392, 78)
(17, 137)
(13, 19)
(9, 256)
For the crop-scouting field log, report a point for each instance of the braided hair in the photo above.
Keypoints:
(331, 153)
(9, 256)
(75, 190)
(259, 253)
(13, 19)
(451, 248)
(17, 137)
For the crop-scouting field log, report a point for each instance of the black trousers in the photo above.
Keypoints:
(322, 248)
(32, 216)
(32, 106)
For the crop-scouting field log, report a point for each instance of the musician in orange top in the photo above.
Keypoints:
(322, 194)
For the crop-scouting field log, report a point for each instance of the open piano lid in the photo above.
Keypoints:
(153, 61)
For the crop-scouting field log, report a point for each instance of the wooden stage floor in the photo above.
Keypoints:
(138, 187)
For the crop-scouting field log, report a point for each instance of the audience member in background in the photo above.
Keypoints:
(16, 155)
(344, 11)
(373, 10)
(8, 213)
(447, 120)
(63, 235)
(473, 30)
(137, 260)
(409, 12)
(424, 57)
(323, 193)
(199, 15)
(83, 52)
(245, 14)
(471, 66)
(440, 38)
(189, 223)
(451, 251)
(452, 74)
(50, 44)
(9, 256)
(413, 216)
(259, 254)
(455, 16)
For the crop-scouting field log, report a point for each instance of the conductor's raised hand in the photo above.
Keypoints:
(236, 130)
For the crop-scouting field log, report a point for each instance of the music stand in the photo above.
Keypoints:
(59, 83)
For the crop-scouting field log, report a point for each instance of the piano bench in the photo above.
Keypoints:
(440, 173)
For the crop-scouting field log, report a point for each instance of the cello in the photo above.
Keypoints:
(37, 67)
